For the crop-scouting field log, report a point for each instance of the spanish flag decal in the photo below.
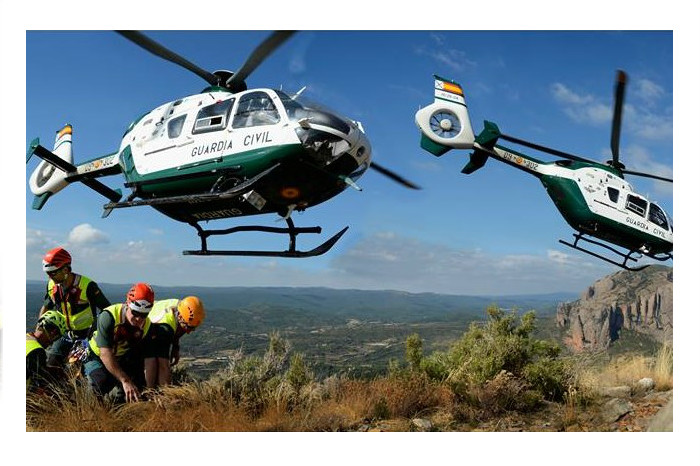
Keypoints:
(452, 88)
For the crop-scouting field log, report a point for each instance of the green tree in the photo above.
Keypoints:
(414, 351)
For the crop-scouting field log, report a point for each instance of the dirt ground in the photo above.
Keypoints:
(553, 417)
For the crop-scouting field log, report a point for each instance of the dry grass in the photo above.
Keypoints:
(277, 393)
(626, 369)
(335, 405)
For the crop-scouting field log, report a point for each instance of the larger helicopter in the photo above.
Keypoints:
(594, 198)
(227, 151)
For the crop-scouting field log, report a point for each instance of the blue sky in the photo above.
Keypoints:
(494, 232)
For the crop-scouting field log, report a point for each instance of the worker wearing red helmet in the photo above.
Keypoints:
(170, 319)
(114, 356)
(75, 296)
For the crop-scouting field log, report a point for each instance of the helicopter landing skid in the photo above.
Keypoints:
(623, 264)
(292, 231)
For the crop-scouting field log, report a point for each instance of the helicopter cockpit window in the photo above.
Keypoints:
(636, 205)
(657, 216)
(255, 109)
(613, 194)
(293, 108)
(175, 126)
(213, 117)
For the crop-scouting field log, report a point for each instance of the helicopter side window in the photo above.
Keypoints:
(657, 217)
(213, 117)
(175, 126)
(636, 205)
(255, 109)
(613, 194)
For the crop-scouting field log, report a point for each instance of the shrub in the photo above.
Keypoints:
(474, 366)
(551, 377)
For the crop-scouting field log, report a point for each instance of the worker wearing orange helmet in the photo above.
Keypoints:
(170, 319)
(75, 296)
(114, 357)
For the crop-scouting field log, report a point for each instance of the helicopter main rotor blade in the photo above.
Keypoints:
(394, 176)
(549, 150)
(617, 116)
(157, 49)
(647, 175)
(268, 46)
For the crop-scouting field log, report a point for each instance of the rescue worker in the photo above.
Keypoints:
(49, 328)
(170, 319)
(114, 354)
(75, 296)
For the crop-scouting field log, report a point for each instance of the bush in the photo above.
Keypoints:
(473, 368)
(551, 377)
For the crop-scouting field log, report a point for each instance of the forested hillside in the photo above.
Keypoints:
(354, 331)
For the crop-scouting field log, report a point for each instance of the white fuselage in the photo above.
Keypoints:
(181, 133)
(605, 194)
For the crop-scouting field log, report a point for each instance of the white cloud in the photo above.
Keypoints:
(85, 233)
(39, 240)
(643, 120)
(559, 257)
(581, 108)
(385, 260)
(565, 95)
(648, 91)
(638, 158)
(297, 61)
(648, 124)
(392, 261)
(455, 59)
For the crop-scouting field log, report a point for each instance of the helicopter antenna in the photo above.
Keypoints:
(621, 81)
(294, 97)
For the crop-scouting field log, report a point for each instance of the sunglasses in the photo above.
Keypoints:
(137, 314)
(56, 272)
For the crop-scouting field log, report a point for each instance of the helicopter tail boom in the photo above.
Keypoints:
(445, 123)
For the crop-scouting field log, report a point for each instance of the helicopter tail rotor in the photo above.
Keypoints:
(56, 170)
(445, 123)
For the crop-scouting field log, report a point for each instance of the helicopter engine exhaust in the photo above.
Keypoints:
(445, 123)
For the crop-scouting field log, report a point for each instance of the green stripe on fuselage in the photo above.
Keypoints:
(176, 180)
(573, 207)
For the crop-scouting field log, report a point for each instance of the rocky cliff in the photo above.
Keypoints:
(639, 301)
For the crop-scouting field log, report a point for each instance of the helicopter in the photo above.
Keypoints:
(594, 198)
(225, 152)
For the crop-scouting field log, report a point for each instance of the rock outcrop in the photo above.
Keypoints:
(638, 301)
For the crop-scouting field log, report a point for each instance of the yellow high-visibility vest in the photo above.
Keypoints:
(79, 318)
(120, 347)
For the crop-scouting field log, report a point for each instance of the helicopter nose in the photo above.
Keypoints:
(361, 150)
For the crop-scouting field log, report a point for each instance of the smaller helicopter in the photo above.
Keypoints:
(225, 152)
(594, 198)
